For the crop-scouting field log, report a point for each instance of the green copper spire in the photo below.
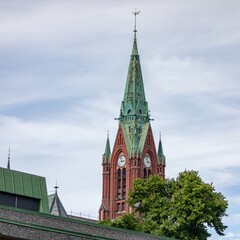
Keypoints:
(134, 106)
(134, 115)
(161, 157)
(135, 49)
(107, 152)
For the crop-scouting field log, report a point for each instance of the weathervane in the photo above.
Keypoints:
(135, 16)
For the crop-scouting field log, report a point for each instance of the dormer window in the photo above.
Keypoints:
(129, 111)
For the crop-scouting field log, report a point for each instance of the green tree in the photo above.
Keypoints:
(183, 208)
(127, 221)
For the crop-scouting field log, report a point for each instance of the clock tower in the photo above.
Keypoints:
(134, 154)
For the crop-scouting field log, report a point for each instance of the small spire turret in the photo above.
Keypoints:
(161, 157)
(107, 152)
(55, 205)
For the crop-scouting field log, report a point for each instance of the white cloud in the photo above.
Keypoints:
(235, 199)
(233, 219)
(233, 236)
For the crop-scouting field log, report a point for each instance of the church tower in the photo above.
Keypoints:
(134, 154)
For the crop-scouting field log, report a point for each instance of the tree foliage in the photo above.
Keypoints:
(127, 221)
(183, 208)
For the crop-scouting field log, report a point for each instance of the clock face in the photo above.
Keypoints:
(147, 161)
(121, 161)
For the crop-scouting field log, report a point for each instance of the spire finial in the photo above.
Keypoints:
(107, 133)
(56, 186)
(8, 164)
(135, 18)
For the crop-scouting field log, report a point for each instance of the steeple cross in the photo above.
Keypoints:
(135, 22)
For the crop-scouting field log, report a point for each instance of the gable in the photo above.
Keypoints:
(135, 137)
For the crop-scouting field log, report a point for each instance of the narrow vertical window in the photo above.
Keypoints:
(123, 206)
(119, 184)
(118, 207)
(144, 173)
(124, 182)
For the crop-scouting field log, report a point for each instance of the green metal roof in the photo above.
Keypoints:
(134, 102)
(161, 157)
(134, 114)
(25, 184)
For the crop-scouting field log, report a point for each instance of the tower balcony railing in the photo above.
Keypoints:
(137, 118)
(82, 216)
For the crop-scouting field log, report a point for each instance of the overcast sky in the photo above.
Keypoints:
(63, 67)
